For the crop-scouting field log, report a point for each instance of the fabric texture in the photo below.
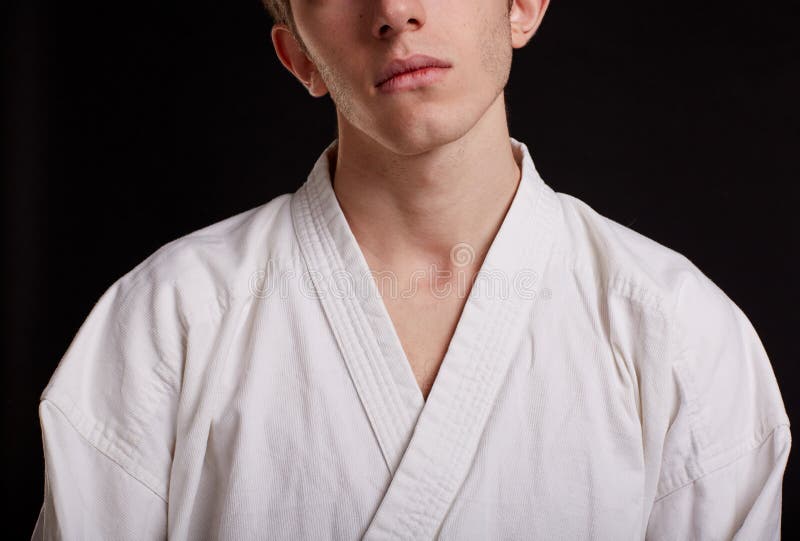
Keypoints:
(246, 382)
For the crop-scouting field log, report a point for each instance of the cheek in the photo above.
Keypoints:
(335, 75)
(345, 85)
(495, 49)
(493, 44)
(333, 57)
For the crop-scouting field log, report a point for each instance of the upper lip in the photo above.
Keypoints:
(411, 63)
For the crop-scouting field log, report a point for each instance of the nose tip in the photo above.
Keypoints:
(396, 16)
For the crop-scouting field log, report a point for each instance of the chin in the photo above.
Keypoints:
(420, 135)
(410, 141)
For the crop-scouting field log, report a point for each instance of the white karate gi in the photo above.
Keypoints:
(246, 382)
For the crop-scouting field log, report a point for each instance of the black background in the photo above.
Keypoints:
(126, 125)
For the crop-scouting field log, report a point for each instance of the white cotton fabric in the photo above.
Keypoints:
(246, 382)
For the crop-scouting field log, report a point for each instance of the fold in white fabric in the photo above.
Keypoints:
(246, 382)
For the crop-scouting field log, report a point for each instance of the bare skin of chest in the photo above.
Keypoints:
(425, 326)
(424, 308)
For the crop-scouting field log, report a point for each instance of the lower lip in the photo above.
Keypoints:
(413, 79)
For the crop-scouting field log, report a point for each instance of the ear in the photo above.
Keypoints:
(294, 58)
(525, 17)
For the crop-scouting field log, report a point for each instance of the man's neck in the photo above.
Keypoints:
(410, 211)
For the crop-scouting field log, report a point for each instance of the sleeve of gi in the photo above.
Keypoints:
(728, 441)
(108, 416)
(87, 494)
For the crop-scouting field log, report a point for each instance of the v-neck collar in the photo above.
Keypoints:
(427, 445)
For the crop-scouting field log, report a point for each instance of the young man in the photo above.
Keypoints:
(425, 340)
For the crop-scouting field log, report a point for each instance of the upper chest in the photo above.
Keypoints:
(425, 327)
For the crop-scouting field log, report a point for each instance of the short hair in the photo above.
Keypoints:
(280, 11)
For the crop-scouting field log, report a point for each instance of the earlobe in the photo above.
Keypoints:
(316, 86)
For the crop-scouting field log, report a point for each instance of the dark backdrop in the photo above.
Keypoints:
(128, 124)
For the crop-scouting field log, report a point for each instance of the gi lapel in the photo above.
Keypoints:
(372, 351)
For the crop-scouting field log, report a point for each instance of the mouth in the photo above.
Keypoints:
(411, 80)
(416, 64)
